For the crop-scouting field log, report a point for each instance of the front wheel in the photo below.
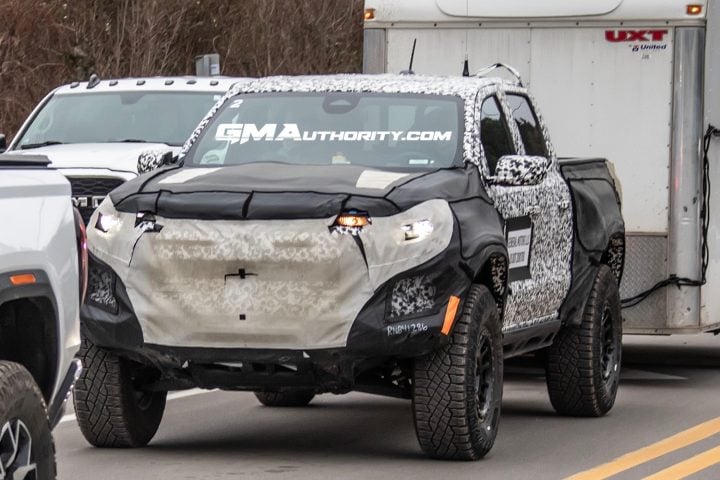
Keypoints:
(111, 410)
(583, 363)
(27, 450)
(457, 390)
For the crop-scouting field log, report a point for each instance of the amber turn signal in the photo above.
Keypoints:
(22, 279)
(369, 14)
(694, 9)
(353, 220)
(450, 315)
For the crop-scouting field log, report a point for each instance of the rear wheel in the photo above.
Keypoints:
(285, 398)
(457, 390)
(27, 450)
(583, 363)
(111, 410)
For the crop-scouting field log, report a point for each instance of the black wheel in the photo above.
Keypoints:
(457, 390)
(27, 450)
(110, 409)
(285, 398)
(583, 364)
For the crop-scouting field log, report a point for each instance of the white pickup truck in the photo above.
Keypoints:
(94, 131)
(42, 251)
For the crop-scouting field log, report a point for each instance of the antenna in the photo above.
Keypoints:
(466, 67)
(409, 71)
(93, 82)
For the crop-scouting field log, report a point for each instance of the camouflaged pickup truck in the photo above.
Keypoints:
(395, 234)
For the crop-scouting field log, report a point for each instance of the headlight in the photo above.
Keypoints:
(351, 222)
(418, 230)
(106, 222)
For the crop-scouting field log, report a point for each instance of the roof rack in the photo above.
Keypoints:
(484, 71)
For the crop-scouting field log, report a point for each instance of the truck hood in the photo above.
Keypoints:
(286, 191)
(112, 156)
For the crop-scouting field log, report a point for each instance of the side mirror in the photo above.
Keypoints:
(519, 170)
(3, 143)
(154, 159)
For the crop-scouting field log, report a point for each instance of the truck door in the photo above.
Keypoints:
(538, 217)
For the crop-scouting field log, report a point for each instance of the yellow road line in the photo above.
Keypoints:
(651, 452)
(688, 467)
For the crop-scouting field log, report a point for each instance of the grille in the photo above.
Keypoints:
(88, 192)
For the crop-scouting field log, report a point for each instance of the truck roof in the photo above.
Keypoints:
(170, 84)
(387, 83)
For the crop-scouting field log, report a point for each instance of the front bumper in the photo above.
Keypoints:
(223, 289)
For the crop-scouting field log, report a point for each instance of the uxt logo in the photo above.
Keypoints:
(635, 35)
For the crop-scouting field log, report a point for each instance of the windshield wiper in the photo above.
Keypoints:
(137, 140)
(46, 143)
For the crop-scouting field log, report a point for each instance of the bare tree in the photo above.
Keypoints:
(44, 43)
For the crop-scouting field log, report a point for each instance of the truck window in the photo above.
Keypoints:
(494, 133)
(382, 130)
(528, 125)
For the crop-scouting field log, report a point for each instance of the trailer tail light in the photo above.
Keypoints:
(81, 240)
(694, 9)
(369, 14)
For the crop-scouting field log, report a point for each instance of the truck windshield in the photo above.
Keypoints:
(369, 129)
(153, 117)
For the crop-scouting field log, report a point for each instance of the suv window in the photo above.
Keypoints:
(494, 133)
(528, 125)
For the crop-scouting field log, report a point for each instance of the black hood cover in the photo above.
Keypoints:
(286, 191)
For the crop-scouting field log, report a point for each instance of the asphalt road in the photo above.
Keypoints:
(670, 386)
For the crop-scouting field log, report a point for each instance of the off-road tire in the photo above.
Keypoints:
(456, 403)
(583, 363)
(285, 398)
(110, 411)
(22, 410)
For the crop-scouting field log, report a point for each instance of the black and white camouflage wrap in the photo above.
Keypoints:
(616, 256)
(152, 160)
(548, 203)
(412, 295)
(517, 170)
(102, 286)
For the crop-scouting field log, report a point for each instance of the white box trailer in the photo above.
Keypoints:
(636, 81)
